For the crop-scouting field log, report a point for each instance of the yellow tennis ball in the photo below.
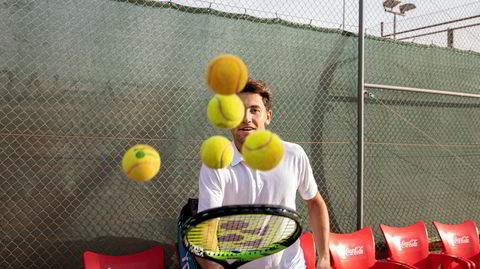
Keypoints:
(226, 74)
(141, 162)
(225, 111)
(216, 152)
(262, 150)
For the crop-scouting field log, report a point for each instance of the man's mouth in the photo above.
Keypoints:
(246, 129)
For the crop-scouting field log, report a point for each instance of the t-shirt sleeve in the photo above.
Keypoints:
(210, 189)
(307, 186)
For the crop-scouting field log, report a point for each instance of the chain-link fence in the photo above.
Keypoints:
(421, 159)
(82, 81)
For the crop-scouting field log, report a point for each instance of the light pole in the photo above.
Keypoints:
(389, 5)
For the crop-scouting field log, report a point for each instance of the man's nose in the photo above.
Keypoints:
(247, 117)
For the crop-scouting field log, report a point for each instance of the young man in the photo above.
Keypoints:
(239, 184)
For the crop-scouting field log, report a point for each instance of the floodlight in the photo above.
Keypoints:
(391, 3)
(406, 7)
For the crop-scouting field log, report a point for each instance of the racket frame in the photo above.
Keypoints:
(233, 210)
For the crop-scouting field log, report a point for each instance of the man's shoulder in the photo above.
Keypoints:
(293, 149)
(206, 172)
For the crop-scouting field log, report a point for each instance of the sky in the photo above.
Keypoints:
(343, 14)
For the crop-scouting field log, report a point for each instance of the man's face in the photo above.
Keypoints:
(256, 117)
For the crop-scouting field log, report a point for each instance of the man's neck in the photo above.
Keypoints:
(239, 146)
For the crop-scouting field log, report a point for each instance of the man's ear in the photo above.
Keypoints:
(269, 117)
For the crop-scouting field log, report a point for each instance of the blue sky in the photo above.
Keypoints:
(332, 14)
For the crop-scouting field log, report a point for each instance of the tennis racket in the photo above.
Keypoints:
(234, 235)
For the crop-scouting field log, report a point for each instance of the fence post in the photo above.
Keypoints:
(450, 38)
(360, 115)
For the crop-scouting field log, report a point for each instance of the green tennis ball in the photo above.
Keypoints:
(225, 111)
(216, 152)
(141, 162)
(263, 150)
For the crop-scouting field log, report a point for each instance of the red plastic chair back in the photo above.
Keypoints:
(149, 259)
(352, 250)
(407, 244)
(307, 242)
(459, 239)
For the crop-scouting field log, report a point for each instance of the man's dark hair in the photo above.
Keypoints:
(261, 88)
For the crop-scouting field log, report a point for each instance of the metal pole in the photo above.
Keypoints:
(411, 89)
(434, 25)
(343, 21)
(394, 25)
(360, 115)
(450, 38)
(381, 29)
(441, 31)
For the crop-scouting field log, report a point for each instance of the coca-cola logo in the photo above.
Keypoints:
(458, 240)
(412, 243)
(358, 250)
(345, 252)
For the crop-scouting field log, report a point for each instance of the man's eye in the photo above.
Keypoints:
(255, 110)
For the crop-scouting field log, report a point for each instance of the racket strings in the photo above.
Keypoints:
(240, 233)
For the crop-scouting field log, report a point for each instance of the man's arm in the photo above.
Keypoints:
(210, 195)
(320, 223)
(210, 227)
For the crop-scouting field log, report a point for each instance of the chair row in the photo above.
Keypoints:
(408, 248)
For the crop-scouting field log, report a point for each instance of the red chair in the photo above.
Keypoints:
(460, 240)
(152, 258)
(357, 251)
(410, 245)
(307, 242)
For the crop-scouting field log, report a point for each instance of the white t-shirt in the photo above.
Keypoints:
(239, 184)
